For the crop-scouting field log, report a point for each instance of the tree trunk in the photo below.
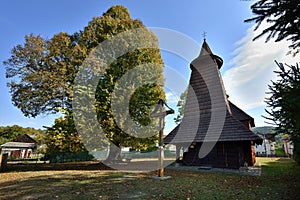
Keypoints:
(114, 154)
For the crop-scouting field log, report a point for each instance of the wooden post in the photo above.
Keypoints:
(161, 141)
(3, 161)
(161, 115)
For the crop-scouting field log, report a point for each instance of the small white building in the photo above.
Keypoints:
(18, 149)
(21, 147)
(267, 148)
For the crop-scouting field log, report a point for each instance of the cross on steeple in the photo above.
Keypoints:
(204, 35)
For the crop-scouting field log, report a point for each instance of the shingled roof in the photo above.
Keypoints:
(240, 114)
(208, 115)
(24, 138)
(233, 130)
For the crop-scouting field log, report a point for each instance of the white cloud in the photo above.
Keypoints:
(172, 98)
(253, 64)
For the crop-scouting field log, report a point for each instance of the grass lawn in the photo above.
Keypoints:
(280, 179)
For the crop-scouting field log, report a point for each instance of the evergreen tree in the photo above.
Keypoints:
(283, 18)
(284, 103)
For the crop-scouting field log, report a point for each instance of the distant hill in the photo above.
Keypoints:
(264, 130)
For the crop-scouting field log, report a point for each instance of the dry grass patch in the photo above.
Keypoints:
(279, 180)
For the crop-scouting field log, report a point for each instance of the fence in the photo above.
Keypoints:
(146, 154)
(68, 157)
(102, 155)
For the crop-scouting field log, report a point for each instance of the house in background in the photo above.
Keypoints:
(232, 142)
(21, 147)
(267, 148)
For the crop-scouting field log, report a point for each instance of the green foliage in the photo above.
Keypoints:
(181, 107)
(42, 72)
(284, 103)
(114, 21)
(279, 152)
(9, 133)
(283, 17)
(63, 137)
(69, 157)
(118, 12)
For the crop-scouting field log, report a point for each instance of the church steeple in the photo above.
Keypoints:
(206, 50)
(208, 124)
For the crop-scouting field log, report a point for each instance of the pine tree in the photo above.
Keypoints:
(284, 103)
(283, 18)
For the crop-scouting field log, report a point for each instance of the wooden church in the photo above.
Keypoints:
(214, 132)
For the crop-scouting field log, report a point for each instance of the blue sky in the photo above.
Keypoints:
(247, 66)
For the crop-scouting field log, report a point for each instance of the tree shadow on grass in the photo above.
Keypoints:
(278, 181)
(136, 165)
(23, 167)
(70, 185)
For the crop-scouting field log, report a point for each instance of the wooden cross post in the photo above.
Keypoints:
(161, 114)
(161, 139)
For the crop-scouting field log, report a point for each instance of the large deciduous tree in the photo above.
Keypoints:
(63, 137)
(284, 103)
(143, 61)
(42, 72)
(283, 18)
